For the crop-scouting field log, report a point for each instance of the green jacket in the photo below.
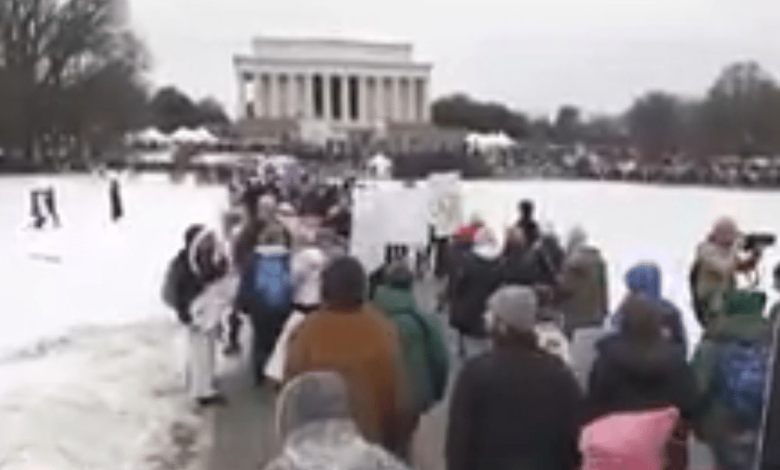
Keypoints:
(742, 320)
(425, 352)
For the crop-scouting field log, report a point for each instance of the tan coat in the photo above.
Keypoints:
(583, 289)
(364, 347)
(717, 271)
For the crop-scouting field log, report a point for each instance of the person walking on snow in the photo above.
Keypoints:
(472, 285)
(266, 294)
(202, 295)
(515, 406)
(352, 338)
(581, 293)
(115, 198)
(318, 430)
(307, 267)
(424, 350)
(645, 280)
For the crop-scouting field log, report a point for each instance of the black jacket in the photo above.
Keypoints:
(188, 286)
(514, 409)
(472, 286)
(521, 267)
(628, 377)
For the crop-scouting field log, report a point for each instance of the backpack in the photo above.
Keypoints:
(170, 283)
(741, 377)
(272, 285)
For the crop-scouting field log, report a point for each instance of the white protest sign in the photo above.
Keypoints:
(445, 203)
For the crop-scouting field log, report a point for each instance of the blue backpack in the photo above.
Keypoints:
(742, 372)
(272, 283)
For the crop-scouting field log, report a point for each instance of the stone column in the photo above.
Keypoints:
(261, 96)
(411, 107)
(242, 104)
(379, 99)
(365, 100)
(396, 112)
(308, 96)
(271, 92)
(346, 102)
(292, 100)
(425, 109)
(327, 98)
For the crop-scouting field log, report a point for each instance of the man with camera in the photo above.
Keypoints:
(719, 259)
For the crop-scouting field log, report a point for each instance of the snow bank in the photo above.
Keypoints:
(101, 398)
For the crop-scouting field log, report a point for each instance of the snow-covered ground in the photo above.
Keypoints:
(90, 361)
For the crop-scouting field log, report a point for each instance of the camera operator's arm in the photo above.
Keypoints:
(748, 263)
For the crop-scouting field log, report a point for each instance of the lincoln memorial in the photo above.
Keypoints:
(341, 85)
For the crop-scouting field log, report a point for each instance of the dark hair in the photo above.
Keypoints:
(399, 276)
(344, 284)
(192, 232)
(641, 319)
(527, 207)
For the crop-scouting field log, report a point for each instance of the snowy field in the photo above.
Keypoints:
(90, 361)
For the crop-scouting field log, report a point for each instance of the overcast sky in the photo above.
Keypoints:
(531, 54)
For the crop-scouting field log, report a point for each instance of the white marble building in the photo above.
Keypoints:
(340, 85)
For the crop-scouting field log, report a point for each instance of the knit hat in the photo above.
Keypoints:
(515, 307)
(725, 232)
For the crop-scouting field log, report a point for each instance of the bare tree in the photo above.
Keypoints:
(58, 60)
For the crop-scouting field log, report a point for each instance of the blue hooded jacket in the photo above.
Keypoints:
(645, 279)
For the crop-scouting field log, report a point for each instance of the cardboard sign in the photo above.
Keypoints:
(445, 203)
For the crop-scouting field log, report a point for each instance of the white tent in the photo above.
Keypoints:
(204, 136)
(496, 140)
(150, 136)
(185, 136)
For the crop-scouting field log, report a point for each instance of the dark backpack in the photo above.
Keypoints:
(272, 286)
(170, 283)
(741, 376)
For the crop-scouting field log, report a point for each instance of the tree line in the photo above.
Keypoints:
(72, 83)
(738, 115)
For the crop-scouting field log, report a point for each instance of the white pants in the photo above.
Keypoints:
(201, 363)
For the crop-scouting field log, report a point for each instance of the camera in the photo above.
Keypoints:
(759, 241)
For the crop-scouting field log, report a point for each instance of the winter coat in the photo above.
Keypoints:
(628, 440)
(514, 408)
(646, 280)
(363, 347)
(306, 267)
(742, 321)
(582, 290)
(521, 267)
(631, 377)
(424, 351)
(472, 285)
(716, 273)
(214, 304)
(193, 270)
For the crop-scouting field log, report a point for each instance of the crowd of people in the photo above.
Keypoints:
(357, 364)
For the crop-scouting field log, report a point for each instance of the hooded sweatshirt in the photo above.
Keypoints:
(472, 285)
(632, 377)
(645, 280)
(315, 423)
(423, 348)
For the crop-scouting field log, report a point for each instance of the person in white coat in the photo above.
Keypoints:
(307, 266)
(208, 262)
